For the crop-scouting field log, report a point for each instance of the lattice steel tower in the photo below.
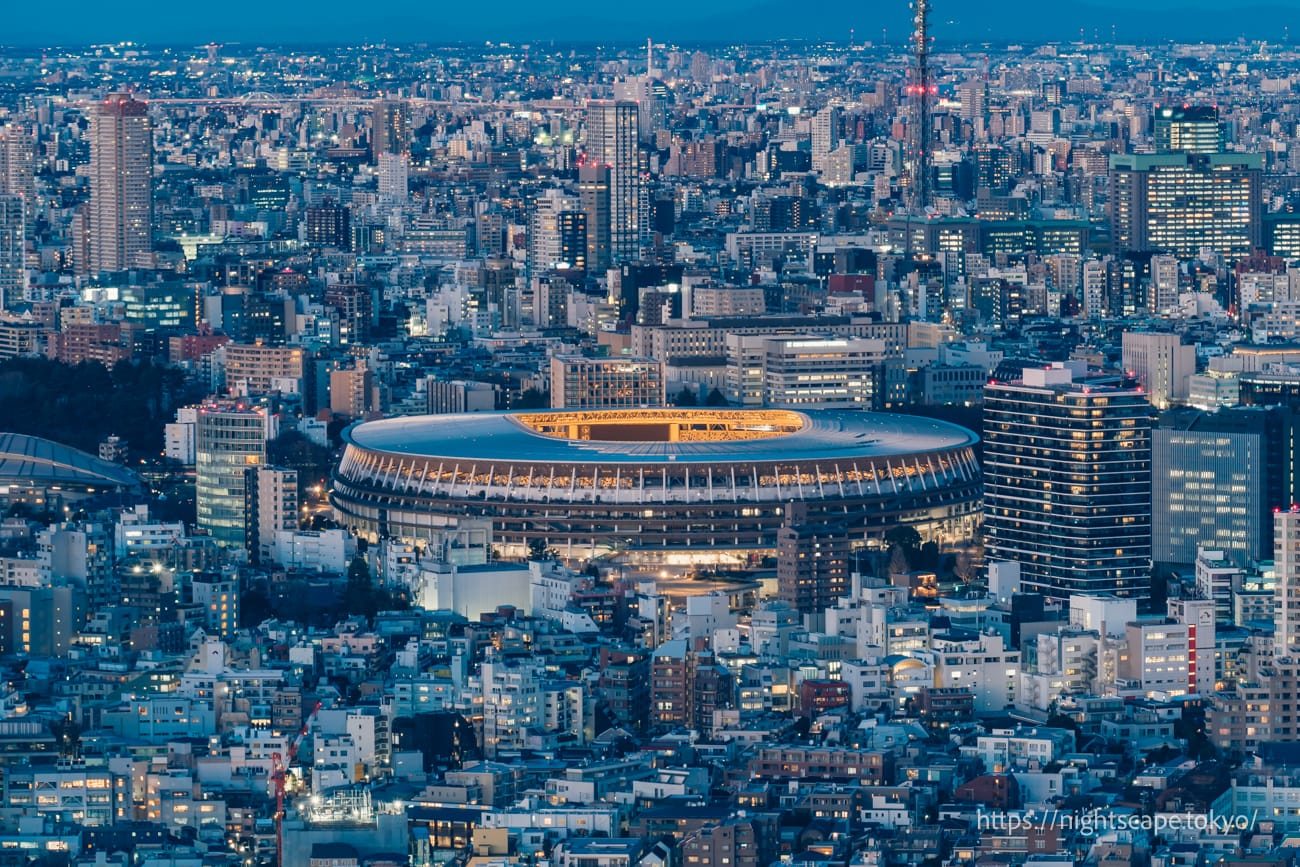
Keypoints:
(921, 91)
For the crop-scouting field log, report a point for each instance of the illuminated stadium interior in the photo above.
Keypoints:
(664, 425)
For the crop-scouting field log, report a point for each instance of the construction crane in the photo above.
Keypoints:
(278, 768)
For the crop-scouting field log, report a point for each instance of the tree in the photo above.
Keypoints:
(293, 450)
(685, 397)
(79, 405)
(929, 556)
(715, 398)
(360, 597)
(1061, 721)
(963, 568)
(1191, 728)
(254, 606)
(67, 734)
(898, 562)
(533, 399)
(538, 549)
(903, 536)
(322, 522)
(904, 545)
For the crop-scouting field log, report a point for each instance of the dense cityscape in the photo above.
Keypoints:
(849, 454)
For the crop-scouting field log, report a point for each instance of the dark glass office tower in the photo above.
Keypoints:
(1216, 479)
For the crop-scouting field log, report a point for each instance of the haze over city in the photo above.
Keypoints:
(996, 21)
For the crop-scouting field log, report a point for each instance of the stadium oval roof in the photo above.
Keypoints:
(31, 460)
(641, 436)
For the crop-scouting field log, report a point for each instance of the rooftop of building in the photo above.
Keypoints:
(1069, 376)
(660, 436)
(33, 460)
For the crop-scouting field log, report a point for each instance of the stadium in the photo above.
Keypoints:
(660, 486)
(45, 474)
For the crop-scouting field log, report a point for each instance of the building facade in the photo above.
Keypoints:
(805, 371)
(272, 507)
(1181, 203)
(1218, 477)
(812, 566)
(612, 142)
(255, 369)
(13, 239)
(1192, 129)
(578, 382)
(1067, 482)
(1160, 363)
(230, 438)
(121, 184)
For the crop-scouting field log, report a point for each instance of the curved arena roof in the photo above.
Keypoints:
(695, 480)
(658, 436)
(31, 460)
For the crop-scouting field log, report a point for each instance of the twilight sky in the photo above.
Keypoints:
(435, 21)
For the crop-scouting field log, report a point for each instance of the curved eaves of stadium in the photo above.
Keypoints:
(700, 485)
(28, 461)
